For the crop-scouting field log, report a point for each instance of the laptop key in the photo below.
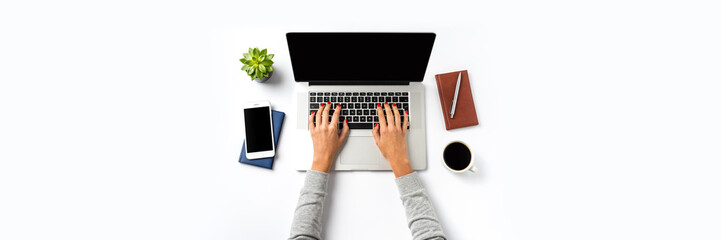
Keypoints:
(333, 99)
(376, 94)
(363, 94)
(312, 99)
(312, 93)
(404, 94)
(326, 94)
(395, 99)
(314, 106)
(403, 99)
(384, 94)
(356, 125)
(363, 118)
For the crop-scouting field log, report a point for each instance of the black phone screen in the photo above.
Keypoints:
(257, 129)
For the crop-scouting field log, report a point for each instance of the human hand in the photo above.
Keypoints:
(326, 140)
(390, 136)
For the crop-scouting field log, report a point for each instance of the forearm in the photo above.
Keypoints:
(307, 220)
(421, 216)
(401, 166)
(321, 163)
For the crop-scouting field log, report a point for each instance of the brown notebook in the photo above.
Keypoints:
(465, 114)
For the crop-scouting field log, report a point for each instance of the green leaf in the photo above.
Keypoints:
(256, 52)
(244, 67)
(267, 63)
(261, 58)
(270, 69)
(243, 60)
(246, 55)
(251, 71)
(270, 56)
(264, 52)
(261, 68)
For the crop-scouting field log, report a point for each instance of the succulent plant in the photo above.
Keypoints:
(257, 63)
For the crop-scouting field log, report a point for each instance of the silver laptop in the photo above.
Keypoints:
(358, 71)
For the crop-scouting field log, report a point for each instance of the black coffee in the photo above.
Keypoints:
(457, 156)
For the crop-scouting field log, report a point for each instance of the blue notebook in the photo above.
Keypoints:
(266, 162)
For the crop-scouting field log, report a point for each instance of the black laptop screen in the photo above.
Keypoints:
(361, 57)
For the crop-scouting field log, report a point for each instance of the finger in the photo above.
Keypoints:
(376, 133)
(381, 117)
(389, 115)
(326, 110)
(336, 113)
(319, 114)
(311, 125)
(345, 132)
(405, 122)
(396, 116)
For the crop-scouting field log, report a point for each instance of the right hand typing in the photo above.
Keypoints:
(390, 136)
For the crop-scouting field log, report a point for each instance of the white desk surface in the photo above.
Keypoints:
(597, 121)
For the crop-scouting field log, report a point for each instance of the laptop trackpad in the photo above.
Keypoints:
(360, 150)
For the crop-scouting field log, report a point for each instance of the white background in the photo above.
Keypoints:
(599, 120)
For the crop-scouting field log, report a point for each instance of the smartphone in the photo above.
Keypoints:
(259, 142)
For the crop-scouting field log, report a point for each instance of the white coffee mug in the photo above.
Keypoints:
(470, 166)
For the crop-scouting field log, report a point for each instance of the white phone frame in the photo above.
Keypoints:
(262, 154)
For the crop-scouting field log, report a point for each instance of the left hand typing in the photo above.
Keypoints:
(326, 139)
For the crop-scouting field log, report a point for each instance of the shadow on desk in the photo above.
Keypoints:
(275, 81)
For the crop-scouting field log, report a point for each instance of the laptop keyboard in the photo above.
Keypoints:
(358, 107)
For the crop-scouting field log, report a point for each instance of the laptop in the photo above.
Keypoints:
(358, 71)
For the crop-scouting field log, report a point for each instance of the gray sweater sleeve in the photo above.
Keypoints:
(420, 214)
(308, 212)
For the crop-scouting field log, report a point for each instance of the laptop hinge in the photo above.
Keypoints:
(358, 83)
